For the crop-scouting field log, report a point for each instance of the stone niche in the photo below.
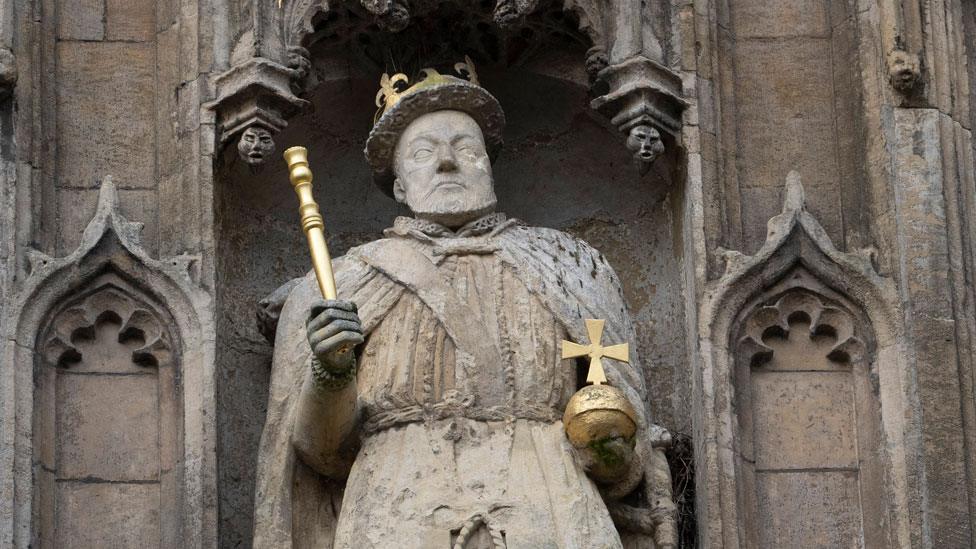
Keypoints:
(111, 402)
(803, 425)
(809, 422)
(563, 166)
(107, 422)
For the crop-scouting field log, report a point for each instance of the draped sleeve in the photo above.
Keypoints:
(278, 491)
(577, 282)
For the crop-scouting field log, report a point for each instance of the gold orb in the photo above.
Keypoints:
(596, 412)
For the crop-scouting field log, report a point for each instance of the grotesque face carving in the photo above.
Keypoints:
(255, 145)
(442, 169)
(903, 69)
(645, 142)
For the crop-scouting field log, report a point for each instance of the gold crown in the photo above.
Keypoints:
(394, 88)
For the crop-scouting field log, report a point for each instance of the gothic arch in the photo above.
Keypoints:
(848, 314)
(807, 418)
(154, 312)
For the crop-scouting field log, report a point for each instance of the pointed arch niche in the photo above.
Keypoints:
(112, 400)
(107, 417)
(804, 418)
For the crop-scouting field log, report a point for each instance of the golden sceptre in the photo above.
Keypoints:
(312, 222)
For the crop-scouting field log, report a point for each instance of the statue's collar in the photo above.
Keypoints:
(490, 225)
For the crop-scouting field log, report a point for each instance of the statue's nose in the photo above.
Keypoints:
(446, 161)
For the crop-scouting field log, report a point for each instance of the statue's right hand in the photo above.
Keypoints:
(334, 329)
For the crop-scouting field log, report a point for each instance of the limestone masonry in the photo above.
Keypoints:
(771, 202)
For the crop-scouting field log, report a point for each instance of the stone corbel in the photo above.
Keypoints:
(254, 102)
(8, 63)
(8, 72)
(644, 100)
(629, 65)
(901, 37)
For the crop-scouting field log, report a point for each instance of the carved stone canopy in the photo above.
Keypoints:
(626, 48)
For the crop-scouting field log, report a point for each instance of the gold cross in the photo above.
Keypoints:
(596, 351)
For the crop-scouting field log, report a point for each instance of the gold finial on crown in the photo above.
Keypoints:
(394, 88)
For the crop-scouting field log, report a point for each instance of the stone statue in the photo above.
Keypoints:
(423, 408)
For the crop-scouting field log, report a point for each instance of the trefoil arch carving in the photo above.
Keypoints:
(141, 326)
(805, 315)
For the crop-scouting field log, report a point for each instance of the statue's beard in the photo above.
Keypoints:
(455, 209)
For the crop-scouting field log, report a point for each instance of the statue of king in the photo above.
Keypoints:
(423, 408)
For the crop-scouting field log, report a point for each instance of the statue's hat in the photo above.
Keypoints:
(433, 91)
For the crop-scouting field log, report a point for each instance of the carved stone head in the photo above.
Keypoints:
(402, 104)
(255, 145)
(903, 70)
(645, 142)
(442, 169)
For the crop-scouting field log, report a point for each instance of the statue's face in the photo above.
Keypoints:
(255, 144)
(645, 142)
(442, 169)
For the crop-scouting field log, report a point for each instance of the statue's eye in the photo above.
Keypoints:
(466, 148)
(422, 154)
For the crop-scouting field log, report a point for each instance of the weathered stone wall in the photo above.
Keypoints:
(99, 89)
(790, 100)
(885, 159)
(123, 88)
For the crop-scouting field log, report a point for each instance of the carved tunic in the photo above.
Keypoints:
(454, 443)
(462, 392)
(409, 370)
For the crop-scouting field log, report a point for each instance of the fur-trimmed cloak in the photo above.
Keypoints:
(296, 507)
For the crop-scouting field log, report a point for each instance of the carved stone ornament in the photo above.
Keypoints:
(72, 316)
(628, 62)
(798, 305)
(255, 145)
(8, 72)
(255, 96)
(904, 70)
(767, 325)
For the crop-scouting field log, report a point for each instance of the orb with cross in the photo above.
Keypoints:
(598, 411)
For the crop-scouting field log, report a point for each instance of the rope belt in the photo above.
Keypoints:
(386, 414)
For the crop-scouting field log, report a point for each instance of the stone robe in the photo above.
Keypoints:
(461, 391)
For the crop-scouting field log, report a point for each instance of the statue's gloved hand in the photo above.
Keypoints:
(609, 459)
(334, 330)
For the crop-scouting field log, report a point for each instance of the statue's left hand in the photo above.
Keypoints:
(609, 459)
